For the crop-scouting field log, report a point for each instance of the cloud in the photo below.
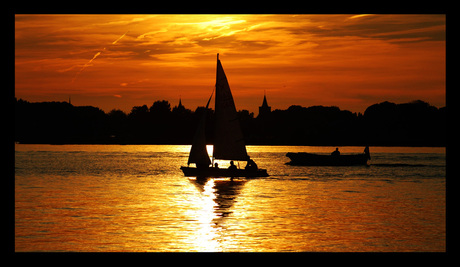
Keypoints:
(387, 27)
(359, 16)
(296, 57)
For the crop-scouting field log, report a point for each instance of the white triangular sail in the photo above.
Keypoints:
(198, 152)
(228, 138)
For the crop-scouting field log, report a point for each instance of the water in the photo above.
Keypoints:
(135, 198)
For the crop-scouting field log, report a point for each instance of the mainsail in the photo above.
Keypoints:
(228, 138)
(198, 152)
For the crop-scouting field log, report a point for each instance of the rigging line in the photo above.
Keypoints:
(207, 105)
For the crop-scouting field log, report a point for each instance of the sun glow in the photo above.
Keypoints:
(350, 61)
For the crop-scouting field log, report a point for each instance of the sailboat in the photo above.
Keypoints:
(228, 140)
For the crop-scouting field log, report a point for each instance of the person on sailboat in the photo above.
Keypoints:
(232, 166)
(251, 165)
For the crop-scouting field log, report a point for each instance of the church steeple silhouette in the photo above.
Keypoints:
(179, 107)
(265, 109)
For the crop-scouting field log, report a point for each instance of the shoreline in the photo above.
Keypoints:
(178, 144)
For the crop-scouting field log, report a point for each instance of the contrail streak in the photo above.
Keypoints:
(94, 57)
(114, 42)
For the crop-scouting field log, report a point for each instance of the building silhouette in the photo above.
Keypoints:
(179, 108)
(265, 109)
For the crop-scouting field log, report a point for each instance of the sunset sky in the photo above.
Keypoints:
(120, 61)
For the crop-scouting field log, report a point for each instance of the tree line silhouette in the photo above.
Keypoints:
(384, 124)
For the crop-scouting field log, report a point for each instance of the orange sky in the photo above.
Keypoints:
(121, 61)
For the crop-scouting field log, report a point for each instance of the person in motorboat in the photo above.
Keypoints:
(366, 151)
(336, 153)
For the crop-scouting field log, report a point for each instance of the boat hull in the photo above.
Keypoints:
(217, 172)
(309, 159)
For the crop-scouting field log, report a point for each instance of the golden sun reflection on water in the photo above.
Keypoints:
(135, 198)
(205, 237)
(212, 215)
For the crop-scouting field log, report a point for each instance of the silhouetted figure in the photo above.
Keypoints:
(232, 166)
(251, 165)
(366, 151)
(336, 153)
(216, 165)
